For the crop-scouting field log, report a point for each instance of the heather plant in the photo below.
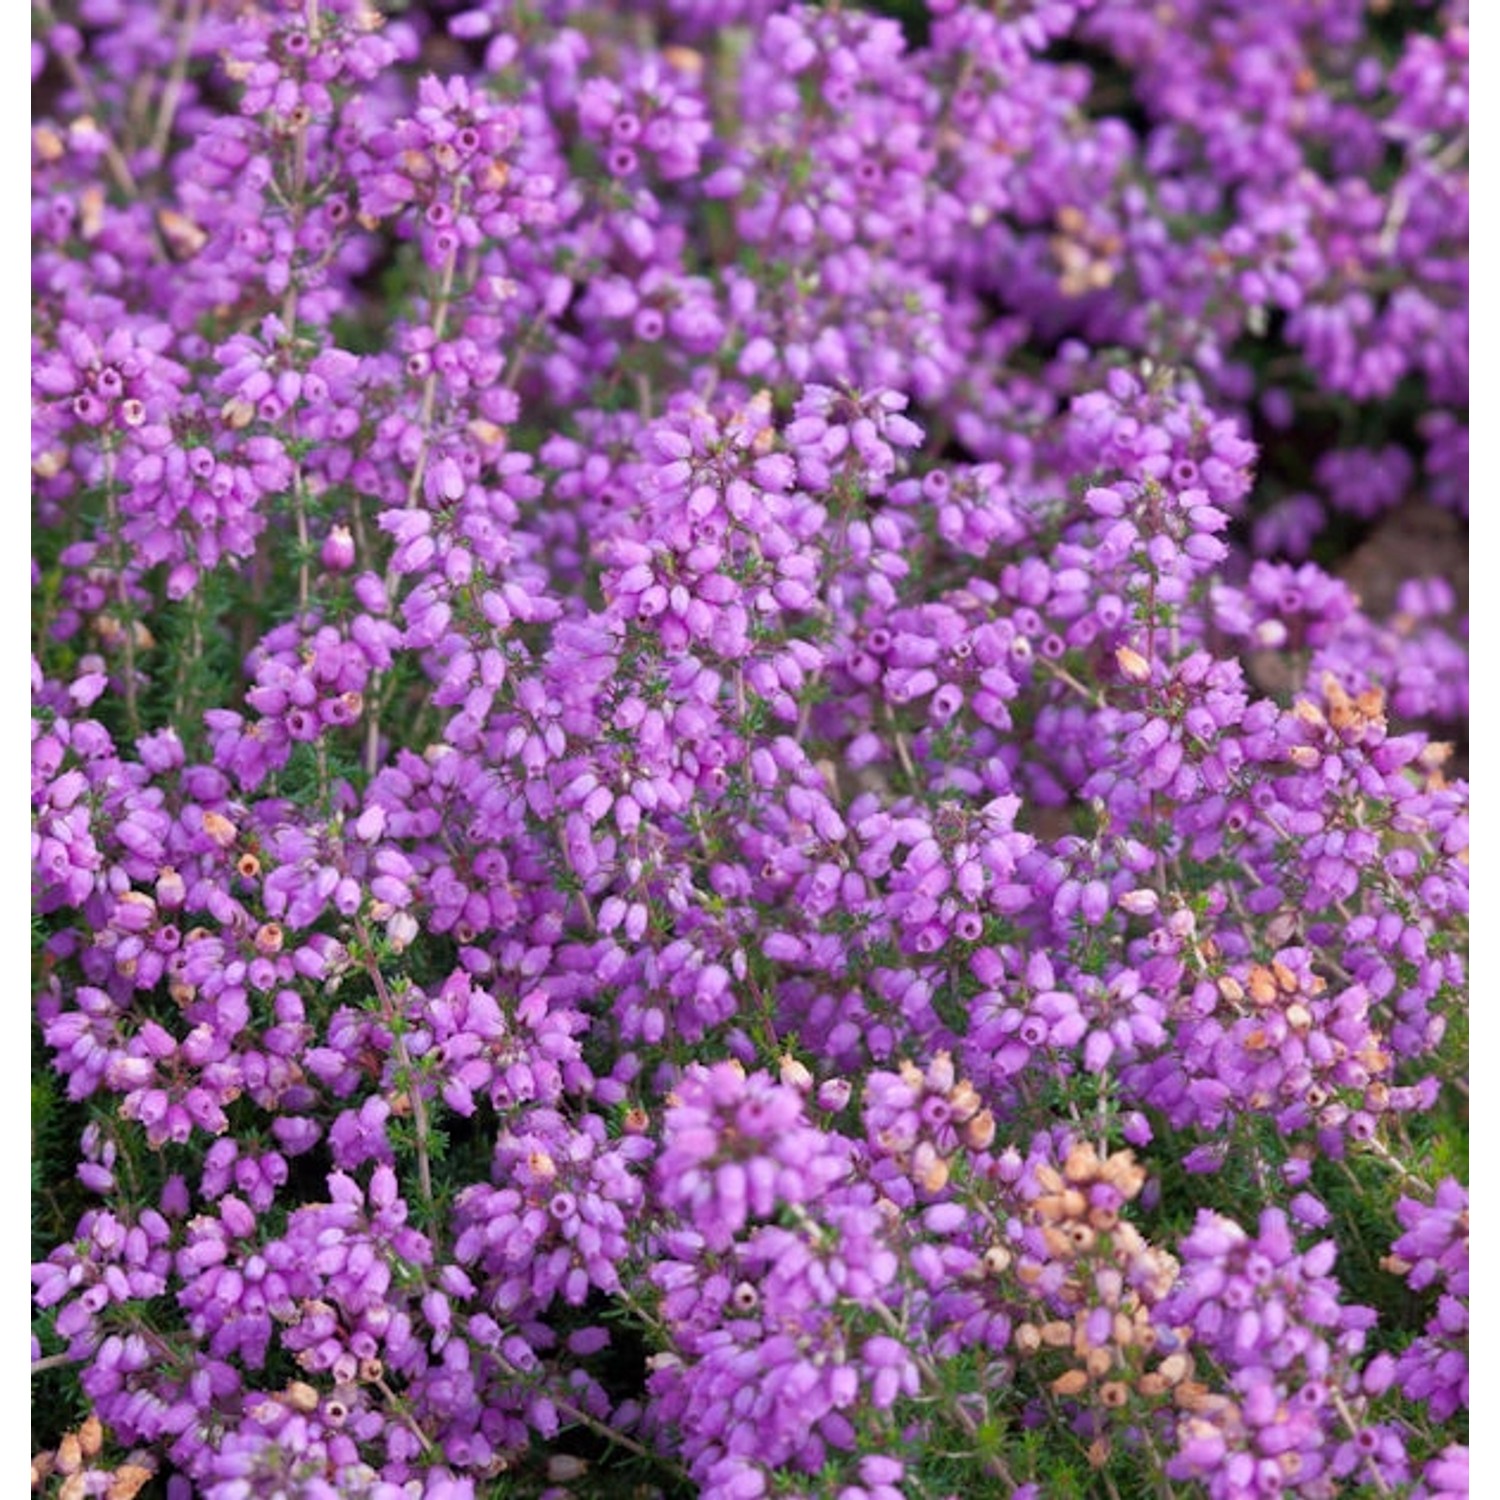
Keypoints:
(712, 810)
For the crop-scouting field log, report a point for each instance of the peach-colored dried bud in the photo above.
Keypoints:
(1298, 1017)
(1057, 1333)
(1262, 986)
(1098, 1362)
(50, 464)
(237, 413)
(1133, 666)
(1082, 1164)
(1028, 1338)
(41, 1467)
(795, 1074)
(684, 59)
(248, 866)
(493, 176)
(219, 829)
(1102, 1220)
(1192, 1395)
(1231, 989)
(300, 1396)
(542, 1165)
(1122, 1171)
(268, 938)
(1056, 1241)
(1100, 275)
(1286, 980)
(997, 1260)
(1080, 1238)
(911, 1075)
(1434, 754)
(47, 143)
(1049, 1178)
(128, 1482)
(978, 1134)
(1175, 1367)
(69, 1454)
(482, 430)
(1048, 1208)
(400, 930)
(933, 1176)
(1114, 1393)
(1152, 1385)
(940, 1073)
(964, 1100)
(1070, 1383)
(1098, 1453)
(74, 1487)
(91, 203)
(184, 238)
(91, 1436)
(636, 1121)
(1072, 260)
(370, 1369)
(1309, 713)
(563, 1468)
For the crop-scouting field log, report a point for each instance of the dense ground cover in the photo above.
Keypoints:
(743, 783)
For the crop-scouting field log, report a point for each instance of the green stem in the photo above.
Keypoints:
(392, 1016)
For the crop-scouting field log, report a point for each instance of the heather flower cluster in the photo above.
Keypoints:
(723, 802)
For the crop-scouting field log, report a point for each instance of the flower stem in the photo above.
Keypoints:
(392, 1016)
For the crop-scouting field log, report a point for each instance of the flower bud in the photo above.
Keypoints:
(1133, 666)
(301, 1397)
(337, 554)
